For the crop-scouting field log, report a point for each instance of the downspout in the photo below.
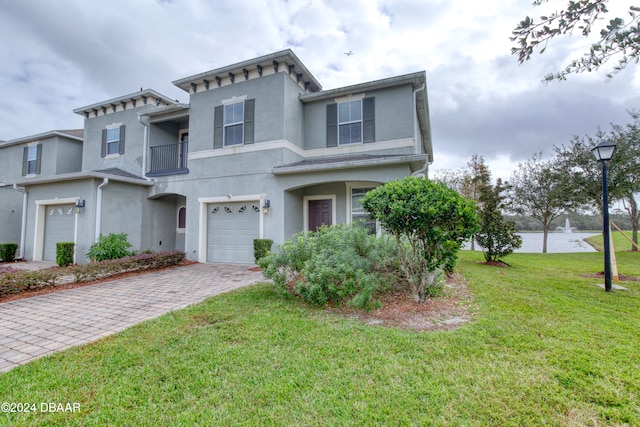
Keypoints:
(416, 132)
(23, 230)
(145, 147)
(105, 181)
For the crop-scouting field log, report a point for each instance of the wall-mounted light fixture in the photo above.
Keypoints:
(266, 208)
(79, 205)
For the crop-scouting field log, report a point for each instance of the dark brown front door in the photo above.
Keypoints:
(319, 213)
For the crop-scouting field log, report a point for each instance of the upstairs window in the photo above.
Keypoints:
(31, 159)
(351, 122)
(233, 124)
(113, 141)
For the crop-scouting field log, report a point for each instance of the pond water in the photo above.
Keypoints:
(556, 242)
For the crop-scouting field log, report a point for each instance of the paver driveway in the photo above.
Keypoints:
(36, 326)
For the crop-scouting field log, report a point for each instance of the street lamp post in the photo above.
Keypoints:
(603, 152)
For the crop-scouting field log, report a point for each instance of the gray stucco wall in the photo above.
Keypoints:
(394, 117)
(68, 156)
(10, 215)
(131, 160)
(125, 209)
(268, 92)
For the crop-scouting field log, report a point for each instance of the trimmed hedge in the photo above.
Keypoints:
(64, 253)
(98, 270)
(261, 248)
(23, 280)
(8, 251)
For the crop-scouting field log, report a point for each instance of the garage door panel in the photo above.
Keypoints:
(59, 226)
(231, 228)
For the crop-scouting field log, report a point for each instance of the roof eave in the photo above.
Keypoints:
(286, 55)
(415, 160)
(76, 176)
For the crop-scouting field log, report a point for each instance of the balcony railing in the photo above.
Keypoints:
(169, 159)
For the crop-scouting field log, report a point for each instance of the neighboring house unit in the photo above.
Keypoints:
(260, 151)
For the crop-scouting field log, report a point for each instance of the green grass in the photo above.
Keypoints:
(619, 241)
(546, 347)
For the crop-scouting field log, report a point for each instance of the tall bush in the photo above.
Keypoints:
(497, 236)
(112, 246)
(429, 222)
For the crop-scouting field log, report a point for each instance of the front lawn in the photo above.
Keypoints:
(546, 347)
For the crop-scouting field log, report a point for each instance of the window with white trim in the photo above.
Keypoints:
(233, 123)
(113, 141)
(32, 159)
(350, 122)
(358, 214)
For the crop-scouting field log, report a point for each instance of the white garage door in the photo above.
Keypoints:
(59, 223)
(231, 228)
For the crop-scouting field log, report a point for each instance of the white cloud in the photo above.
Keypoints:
(71, 53)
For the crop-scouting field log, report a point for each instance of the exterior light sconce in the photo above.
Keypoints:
(266, 208)
(79, 205)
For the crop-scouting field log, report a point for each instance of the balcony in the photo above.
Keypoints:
(169, 159)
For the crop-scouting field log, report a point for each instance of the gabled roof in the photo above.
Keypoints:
(74, 134)
(287, 56)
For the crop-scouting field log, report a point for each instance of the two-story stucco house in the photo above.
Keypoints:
(260, 150)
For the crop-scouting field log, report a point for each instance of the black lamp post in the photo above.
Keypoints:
(603, 153)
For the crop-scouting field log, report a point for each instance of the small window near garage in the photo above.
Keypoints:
(358, 214)
(182, 218)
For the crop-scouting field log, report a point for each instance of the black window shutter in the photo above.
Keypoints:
(25, 160)
(249, 115)
(332, 125)
(121, 143)
(103, 153)
(368, 120)
(217, 126)
(38, 157)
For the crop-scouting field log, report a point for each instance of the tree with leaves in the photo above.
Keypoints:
(619, 38)
(623, 177)
(497, 236)
(429, 221)
(541, 189)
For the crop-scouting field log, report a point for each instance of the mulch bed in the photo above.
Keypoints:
(445, 312)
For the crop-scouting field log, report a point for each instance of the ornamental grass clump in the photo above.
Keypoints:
(335, 264)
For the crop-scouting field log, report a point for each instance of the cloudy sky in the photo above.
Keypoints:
(64, 54)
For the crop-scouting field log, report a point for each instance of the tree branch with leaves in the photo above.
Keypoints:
(619, 38)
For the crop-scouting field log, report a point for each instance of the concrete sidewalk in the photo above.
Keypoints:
(36, 326)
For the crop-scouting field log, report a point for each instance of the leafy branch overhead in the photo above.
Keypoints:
(618, 38)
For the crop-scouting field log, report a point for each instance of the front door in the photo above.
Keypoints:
(319, 213)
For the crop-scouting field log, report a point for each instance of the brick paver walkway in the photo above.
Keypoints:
(36, 326)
